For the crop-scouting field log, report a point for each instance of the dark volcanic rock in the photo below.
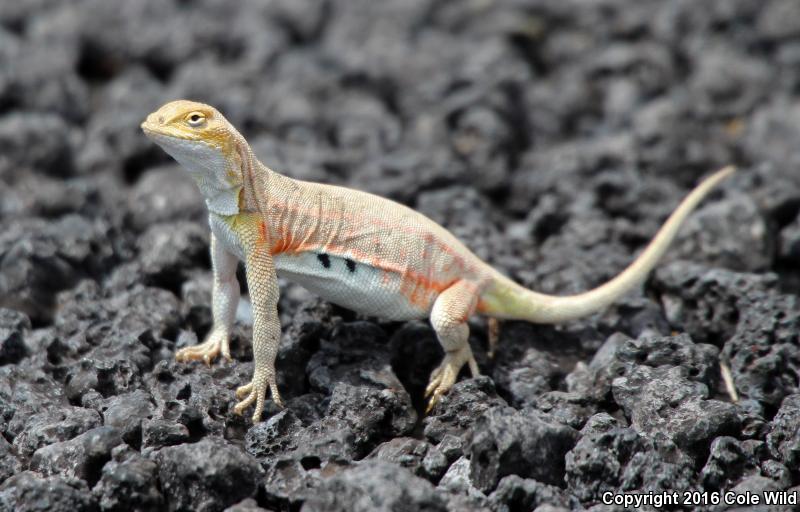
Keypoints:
(728, 461)
(164, 194)
(504, 441)
(9, 463)
(610, 457)
(248, 505)
(764, 352)
(515, 493)
(29, 492)
(81, 457)
(34, 141)
(731, 234)
(705, 301)
(663, 402)
(552, 137)
(13, 327)
(209, 475)
(128, 413)
(375, 485)
(457, 411)
(170, 251)
(40, 257)
(783, 439)
(52, 425)
(418, 456)
(128, 482)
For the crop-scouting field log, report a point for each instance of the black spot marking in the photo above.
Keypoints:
(324, 259)
(351, 265)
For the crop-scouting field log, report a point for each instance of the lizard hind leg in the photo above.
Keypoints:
(449, 319)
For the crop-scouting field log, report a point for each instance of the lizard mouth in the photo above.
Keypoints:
(158, 132)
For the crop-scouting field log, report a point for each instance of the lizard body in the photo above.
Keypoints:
(352, 248)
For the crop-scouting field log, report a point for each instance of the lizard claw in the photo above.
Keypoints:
(445, 375)
(256, 392)
(243, 391)
(216, 342)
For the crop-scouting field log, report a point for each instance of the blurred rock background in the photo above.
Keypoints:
(552, 136)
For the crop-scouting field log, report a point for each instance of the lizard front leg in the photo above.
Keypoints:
(225, 297)
(263, 285)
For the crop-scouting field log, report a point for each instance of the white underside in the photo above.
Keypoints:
(365, 290)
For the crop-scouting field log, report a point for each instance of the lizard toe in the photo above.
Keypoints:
(256, 393)
(207, 351)
(240, 407)
(243, 391)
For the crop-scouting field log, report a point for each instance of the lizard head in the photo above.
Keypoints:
(201, 140)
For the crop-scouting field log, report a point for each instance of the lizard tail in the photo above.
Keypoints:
(505, 299)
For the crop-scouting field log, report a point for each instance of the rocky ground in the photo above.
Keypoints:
(552, 136)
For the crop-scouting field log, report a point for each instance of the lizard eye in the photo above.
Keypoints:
(195, 119)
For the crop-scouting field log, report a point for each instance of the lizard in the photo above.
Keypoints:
(355, 249)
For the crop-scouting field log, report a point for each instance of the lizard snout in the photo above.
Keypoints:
(153, 121)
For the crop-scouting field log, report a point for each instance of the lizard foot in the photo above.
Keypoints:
(443, 377)
(216, 342)
(256, 391)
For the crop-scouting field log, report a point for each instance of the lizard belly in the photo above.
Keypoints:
(357, 286)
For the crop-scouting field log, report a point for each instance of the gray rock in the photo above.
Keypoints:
(375, 485)
(128, 482)
(783, 439)
(789, 246)
(763, 353)
(53, 425)
(663, 402)
(288, 484)
(412, 454)
(108, 377)
(169, 251)
(504, 441)
(13, 327)
(457, 411)
(9, 463)
(81, 457)
(731, 234)
(248, 505)
(39, 258)
(164, 194)
(571, 409)
(30, 492)
(553, 140)
(301, 338)
(706, 302)
(208, 475)
(158, 433)
(727, 463)
(33, 141)
(515, 493)
(458, 480)
(274, 436)
(524, 373)
(128, 413)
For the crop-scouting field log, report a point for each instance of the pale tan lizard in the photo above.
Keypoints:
(355, 249)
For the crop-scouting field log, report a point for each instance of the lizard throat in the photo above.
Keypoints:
(211, 171)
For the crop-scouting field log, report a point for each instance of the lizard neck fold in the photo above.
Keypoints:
(222, 202)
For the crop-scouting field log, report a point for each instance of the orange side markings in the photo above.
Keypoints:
(417, 288)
